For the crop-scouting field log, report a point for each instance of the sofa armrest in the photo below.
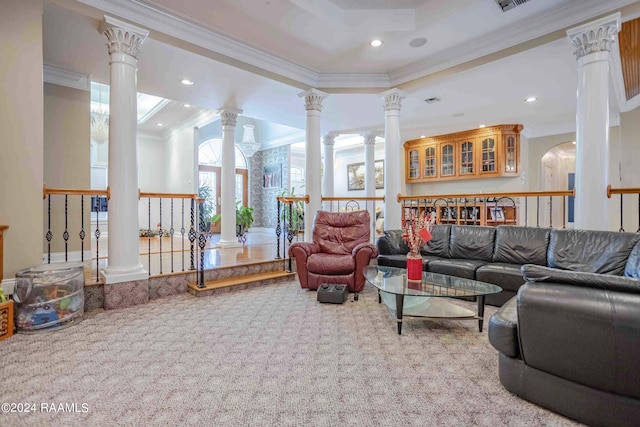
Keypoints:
(582, 334)
(365, 246)
(384, 246)
(503, 329)
(537, 273)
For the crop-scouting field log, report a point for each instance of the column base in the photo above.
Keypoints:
(124, 274)
(223, 244)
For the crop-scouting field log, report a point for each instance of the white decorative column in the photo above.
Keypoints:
(393, 160)
(593, 45)
(124, 41)
(313, 103)
(228, 117)
(370, 176)
(327, 175)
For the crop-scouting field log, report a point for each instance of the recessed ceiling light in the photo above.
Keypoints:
(423, 136)
(419, 42)
(159, 124)
(376, 43)
(186, 82)
(482, 126)
(531, 99)
(573, 142)
(186, 105)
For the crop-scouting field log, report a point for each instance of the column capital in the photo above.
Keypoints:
(229, 115)
(330, 138)
(313, 99)
(595, 36)
(370, 137)
(122, 37)
(392, 99)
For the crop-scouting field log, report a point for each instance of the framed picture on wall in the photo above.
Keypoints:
(355, 175)
(379, 173)
(272, 176)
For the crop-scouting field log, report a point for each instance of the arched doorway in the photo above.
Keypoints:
(558, 167)
(209, 170)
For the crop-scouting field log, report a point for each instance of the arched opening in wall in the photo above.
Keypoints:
(209, 182)
(558, 167)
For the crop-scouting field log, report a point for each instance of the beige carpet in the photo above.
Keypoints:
(266, 356)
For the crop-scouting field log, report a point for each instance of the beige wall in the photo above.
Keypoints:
(21, 111)
(66, 152)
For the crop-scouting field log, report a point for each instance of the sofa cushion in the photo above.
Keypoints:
(503, 329)
(337, 264)
(632, 268)
(604, 252)
(471, 242)
(439, 243)
(398, 261)
(395, 242)
(507, 276)
(521, 245)
(537, 273)
(465, 268)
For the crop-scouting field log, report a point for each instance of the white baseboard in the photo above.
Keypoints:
(73, 256)
(8, 285)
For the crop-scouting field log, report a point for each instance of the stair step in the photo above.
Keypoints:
(240, 282)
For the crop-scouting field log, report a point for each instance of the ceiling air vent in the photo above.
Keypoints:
(509, 4)
(432, 100)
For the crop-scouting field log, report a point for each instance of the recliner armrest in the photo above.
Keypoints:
(307, 247)
(359, 247)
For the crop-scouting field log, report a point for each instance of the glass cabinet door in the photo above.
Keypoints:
(414, 165)
(430, 162)
(489, 154)
(448, 160)
(510, 164)
(466, 158)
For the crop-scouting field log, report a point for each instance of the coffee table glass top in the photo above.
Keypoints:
(393, 280)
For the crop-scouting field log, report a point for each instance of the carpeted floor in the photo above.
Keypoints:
(266, 356)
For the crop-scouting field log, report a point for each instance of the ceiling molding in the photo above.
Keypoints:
(158, 18)
(519, 32)
(353, 80)
(284, 140)
(58, 76)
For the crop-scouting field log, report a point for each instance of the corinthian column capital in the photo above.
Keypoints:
(122, 37)
(596, 36)
(392, 99)
(229, 116)
(313, 99)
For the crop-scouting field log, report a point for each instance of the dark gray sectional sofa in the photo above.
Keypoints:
(569, 340)
(497, 254)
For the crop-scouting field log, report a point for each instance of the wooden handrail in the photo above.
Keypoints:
(291, 199)
(169, 195)
(631, 190)
(74, 192)
(346, 199)
(486, 195)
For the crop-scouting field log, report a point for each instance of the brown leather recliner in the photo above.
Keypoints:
(339, 251)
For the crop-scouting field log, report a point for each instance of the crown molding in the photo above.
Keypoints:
(284, 140)
(158, 18)
(161, 19)
(58, 76)
(519, 32)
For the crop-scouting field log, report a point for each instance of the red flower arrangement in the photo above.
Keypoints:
(417, 230)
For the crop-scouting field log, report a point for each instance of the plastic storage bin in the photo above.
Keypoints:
(49, 297)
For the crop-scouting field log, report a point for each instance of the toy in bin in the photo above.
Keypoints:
(49, 297)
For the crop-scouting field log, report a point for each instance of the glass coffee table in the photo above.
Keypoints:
(427, 297)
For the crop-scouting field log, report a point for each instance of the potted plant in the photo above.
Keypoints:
(206, 208)
(295, 221)
(244, 218)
